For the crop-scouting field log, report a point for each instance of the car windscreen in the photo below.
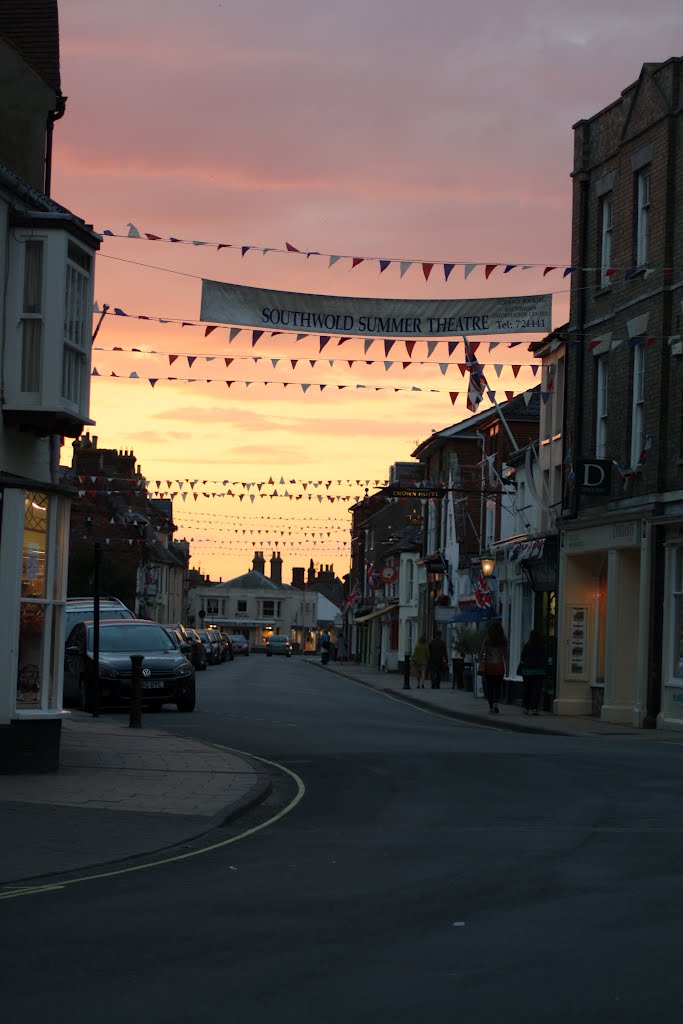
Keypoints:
(87, 612)
(238, 639)
(122, 639)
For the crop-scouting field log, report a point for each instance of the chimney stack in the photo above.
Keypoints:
(259, 564)
(276, 567)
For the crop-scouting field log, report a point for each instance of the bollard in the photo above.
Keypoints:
(136, 692)
(406, 671)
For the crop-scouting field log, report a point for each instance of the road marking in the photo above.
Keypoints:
(51, 887)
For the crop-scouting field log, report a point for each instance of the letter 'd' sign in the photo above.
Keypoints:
(594, 477)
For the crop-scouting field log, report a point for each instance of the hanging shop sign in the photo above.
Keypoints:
(594, 476)
(388, 574)
(396, 318)
(415, 492)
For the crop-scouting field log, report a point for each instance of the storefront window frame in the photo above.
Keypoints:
(54, 599)
(676, 621)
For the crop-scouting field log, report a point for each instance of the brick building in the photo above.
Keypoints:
(621, 554)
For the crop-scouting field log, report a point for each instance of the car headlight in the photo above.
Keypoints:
(183, 670)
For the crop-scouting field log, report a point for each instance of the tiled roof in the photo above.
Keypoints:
(32, 28)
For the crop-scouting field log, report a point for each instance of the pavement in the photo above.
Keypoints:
(119, 793)
(469, 707)
(122, 793)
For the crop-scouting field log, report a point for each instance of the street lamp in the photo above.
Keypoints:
(488, 565)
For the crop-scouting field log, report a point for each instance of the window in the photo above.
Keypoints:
(642, 197)
(268, 610)
(32, 319)
(211, 607)
(410, 565)
(40, 659)
(558, 398)
(77, 315)
(605, 240)
(241, 606)
(602, 407)
(677, 660)
(637, 403)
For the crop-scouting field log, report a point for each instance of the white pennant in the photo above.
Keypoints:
(405, 265)
(133, 231)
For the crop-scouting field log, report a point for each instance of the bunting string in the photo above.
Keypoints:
(404, 265)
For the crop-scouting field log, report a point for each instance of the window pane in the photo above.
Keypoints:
(678, 638)
(29, 673)
(31, 355)
(34, 564)
(33, 277)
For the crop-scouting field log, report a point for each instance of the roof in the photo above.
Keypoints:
(516, 409)
(252, 580)
(35, 201)
(32, 28)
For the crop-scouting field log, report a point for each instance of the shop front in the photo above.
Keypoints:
(33, 551)
(671, 711)
(603, 628)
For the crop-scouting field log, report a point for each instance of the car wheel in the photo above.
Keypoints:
(187, 703)
(269, 655)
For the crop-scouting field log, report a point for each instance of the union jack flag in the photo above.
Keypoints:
(351, 600)
(373, 577)
(475, 390)
(482, 594)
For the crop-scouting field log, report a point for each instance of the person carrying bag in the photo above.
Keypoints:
(532, 670)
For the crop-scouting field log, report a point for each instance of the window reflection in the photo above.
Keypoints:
(32, 615)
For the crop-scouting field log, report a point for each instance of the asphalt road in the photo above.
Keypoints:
(432, 872)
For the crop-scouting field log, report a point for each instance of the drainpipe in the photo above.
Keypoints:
(53, 116)
(577, 432)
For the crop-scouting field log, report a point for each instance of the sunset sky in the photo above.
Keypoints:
(430, 132)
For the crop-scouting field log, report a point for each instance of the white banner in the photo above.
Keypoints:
(269, 310)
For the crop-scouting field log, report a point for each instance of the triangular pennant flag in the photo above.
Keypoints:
(490, 267)
(388, 365)
(324, 339)
(447, 268)
(469, 267)
(527, 397)
(410, 345)
(255, 335)
(95, 372)
(431, 345)
(498, 368)
(291, 248)
(545, 395)
(388, 345)
(515, 370)
(454, 395)
(548, 269)
(404, 266)
(356, 260)
(208, 330)
(171, 360)
(452, 345)
(443, 367)
(133, 231)
(509, 395)
(305, 387)
(427, 269)
(153, 380)
(228, 360)
(366, 345)
(492, 345)
(190, 361)
(234, 331)
(383, 264)
(333, 260)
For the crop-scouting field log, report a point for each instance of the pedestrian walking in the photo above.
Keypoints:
(420, 659)
(341, 648)
(493, 663)
(438, 659)
(325, 645)
(532, 670)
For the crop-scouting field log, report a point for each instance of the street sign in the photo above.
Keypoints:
(594, 477)
(415, 492)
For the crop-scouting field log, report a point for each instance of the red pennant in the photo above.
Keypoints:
(515, 370)
(427, 269)
(171, 360)
(153, 238)
(410, 345)
(474, 345)
(454, 395)
(548, 269)
(228, 360)
(509, 395)
(490, 267)
(294, 362)
(463, 368)
(208, 330)
(356, 260)
(405, 365)
(291, 248)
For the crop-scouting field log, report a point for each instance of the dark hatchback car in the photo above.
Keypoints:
(240, 644)
(167, 675)
(197, 652)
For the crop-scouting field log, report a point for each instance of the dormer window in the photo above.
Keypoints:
(49, 310)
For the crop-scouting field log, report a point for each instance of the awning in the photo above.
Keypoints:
(471, 615)
(377, 612)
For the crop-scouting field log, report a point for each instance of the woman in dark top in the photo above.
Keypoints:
(532, 670)
(494, 662)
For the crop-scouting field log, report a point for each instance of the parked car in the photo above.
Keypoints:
(82, 609)
(168, 676)
(198, 654)
(213, 655)
(226, 641)
(220, 653)
(278, 644)
(240, 644)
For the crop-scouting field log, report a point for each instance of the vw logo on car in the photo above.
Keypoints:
(146, 672)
